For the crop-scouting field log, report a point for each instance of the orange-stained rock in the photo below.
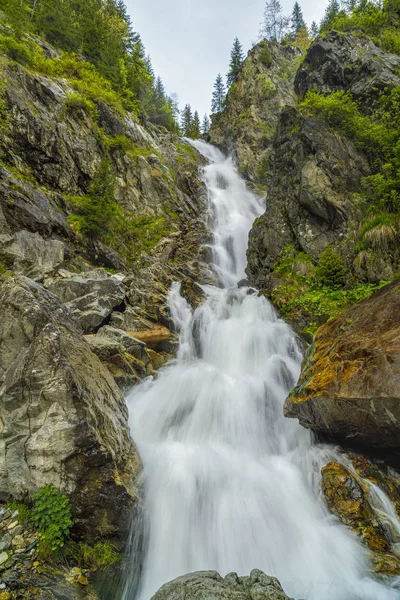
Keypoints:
(348, 496)
(152, 336)
(350, 384)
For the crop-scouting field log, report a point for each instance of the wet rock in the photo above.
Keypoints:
(350, 384)
(64, 421)
(205, 585)
(91, 296)
(3, 557)
(341, 61)
(348, 495)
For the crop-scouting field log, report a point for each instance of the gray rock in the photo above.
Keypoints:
(209, 585)
(64, 421)
(263, 87)
(30, 254)
(339, 61)
(91, 296)
(134, 346)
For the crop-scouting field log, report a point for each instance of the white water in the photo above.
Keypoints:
(229, 483)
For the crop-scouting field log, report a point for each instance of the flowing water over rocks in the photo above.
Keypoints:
(228, 483)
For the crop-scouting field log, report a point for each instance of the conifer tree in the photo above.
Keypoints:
(218, 96)
(195, 132)
(331, 12)
(205, 126)
(314, 30)
(297, 19)
(275, 24)
(235, 65)
(186, 120)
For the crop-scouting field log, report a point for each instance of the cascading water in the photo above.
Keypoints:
(229, 484)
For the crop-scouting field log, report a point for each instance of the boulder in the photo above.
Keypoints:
(64, 420)
(30, 254)
(91, 296)
(350, 384)
(205, 585)
(341, 61)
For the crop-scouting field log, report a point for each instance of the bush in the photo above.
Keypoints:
(330, 270)
(24, 512)
(76, 103)
(52, 516)
(99, 556)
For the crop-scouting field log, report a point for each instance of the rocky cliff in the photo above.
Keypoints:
(98, 215)
(326, 241)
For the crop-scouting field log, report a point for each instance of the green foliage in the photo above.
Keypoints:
(376, 133)
(76, 103)
(97, 209)
(100, 556)
(52, 516)
(16, 49)
(236, 62)
(218, 96)
(265, 55)
(314, 295)
(24, 512)
(112, 66)
(330, 270)
(380, 21)
(3, 108)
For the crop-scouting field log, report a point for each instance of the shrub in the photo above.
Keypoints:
(330, 270)
(52, 516)
(265, 55)
(24, 512)
(76, 103)
(99, 556)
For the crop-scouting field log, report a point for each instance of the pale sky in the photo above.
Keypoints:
(189, 41)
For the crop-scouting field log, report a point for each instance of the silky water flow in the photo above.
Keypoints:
(228, 483)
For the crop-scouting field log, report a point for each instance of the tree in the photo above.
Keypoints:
(205, 126)
(275, 24)
(235, 65)
(331, 12)
(218, 96)
(194, 130)
(297, 19)
(314, 30)
(186, 119)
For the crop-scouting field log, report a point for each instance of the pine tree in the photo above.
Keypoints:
(195, 132)
(275, 24)
(314, 30)
(235, 65)
(205, 126)
(218, 96)
(186, 120)
(331, 12)
(297, 19)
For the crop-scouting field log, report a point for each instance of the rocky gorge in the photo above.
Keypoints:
(85, 318)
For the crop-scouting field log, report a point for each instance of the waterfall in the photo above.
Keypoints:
(229, 484)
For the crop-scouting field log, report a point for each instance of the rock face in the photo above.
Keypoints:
(350, 385)
(264, 86)
(90, 296)
(346, 62)
(64, 421)
(350, 494)
(312, 176)
(205, 585)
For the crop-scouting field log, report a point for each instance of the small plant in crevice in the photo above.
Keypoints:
(52, 515)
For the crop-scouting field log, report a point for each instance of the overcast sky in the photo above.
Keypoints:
(189, 41)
